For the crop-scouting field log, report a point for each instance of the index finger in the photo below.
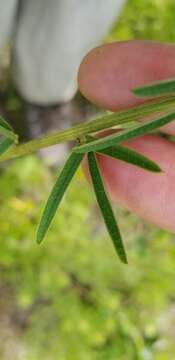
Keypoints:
(108, 73)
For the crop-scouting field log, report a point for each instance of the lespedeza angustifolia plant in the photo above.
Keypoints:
(162, 101)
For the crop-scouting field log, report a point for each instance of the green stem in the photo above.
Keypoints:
(101, 123)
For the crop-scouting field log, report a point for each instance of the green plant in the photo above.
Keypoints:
(108, 146)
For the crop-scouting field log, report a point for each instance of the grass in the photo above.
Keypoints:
(74, 298)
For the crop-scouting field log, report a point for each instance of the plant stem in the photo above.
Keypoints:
(101, 123)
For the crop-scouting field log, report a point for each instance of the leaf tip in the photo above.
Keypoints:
(157, 169)
(144, 91)
(136, 91)
(39, 238)
(123, 258)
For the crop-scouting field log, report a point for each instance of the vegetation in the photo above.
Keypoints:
(150, 20)
(70, 298)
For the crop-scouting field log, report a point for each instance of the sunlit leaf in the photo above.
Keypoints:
(119, 137)
(105, 207)
(158, 88)
(57, 193)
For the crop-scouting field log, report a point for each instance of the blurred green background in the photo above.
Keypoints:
(71, 299)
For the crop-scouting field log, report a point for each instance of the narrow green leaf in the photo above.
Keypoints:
(105, 207)
(131, 157)
(119, 137)
(5, 145)
(57, 193)
(157, 88)
(5, 124)
(7, 131)
(128, 155)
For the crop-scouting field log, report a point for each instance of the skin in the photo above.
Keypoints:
(106, 76)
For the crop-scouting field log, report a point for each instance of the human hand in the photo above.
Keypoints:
(106, 77)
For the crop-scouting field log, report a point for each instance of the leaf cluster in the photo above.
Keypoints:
(108, 146)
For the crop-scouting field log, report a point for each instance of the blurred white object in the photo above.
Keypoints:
(50, 40)
(8, 9)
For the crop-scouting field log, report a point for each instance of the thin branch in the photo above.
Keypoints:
(101, 123)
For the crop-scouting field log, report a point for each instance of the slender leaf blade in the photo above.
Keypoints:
(5, 124)
(119, 137)
(8, 133)
(158, 88)
(130, 156)
(6, 130)
(57, 193)
(106, 208)
(5, 145)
